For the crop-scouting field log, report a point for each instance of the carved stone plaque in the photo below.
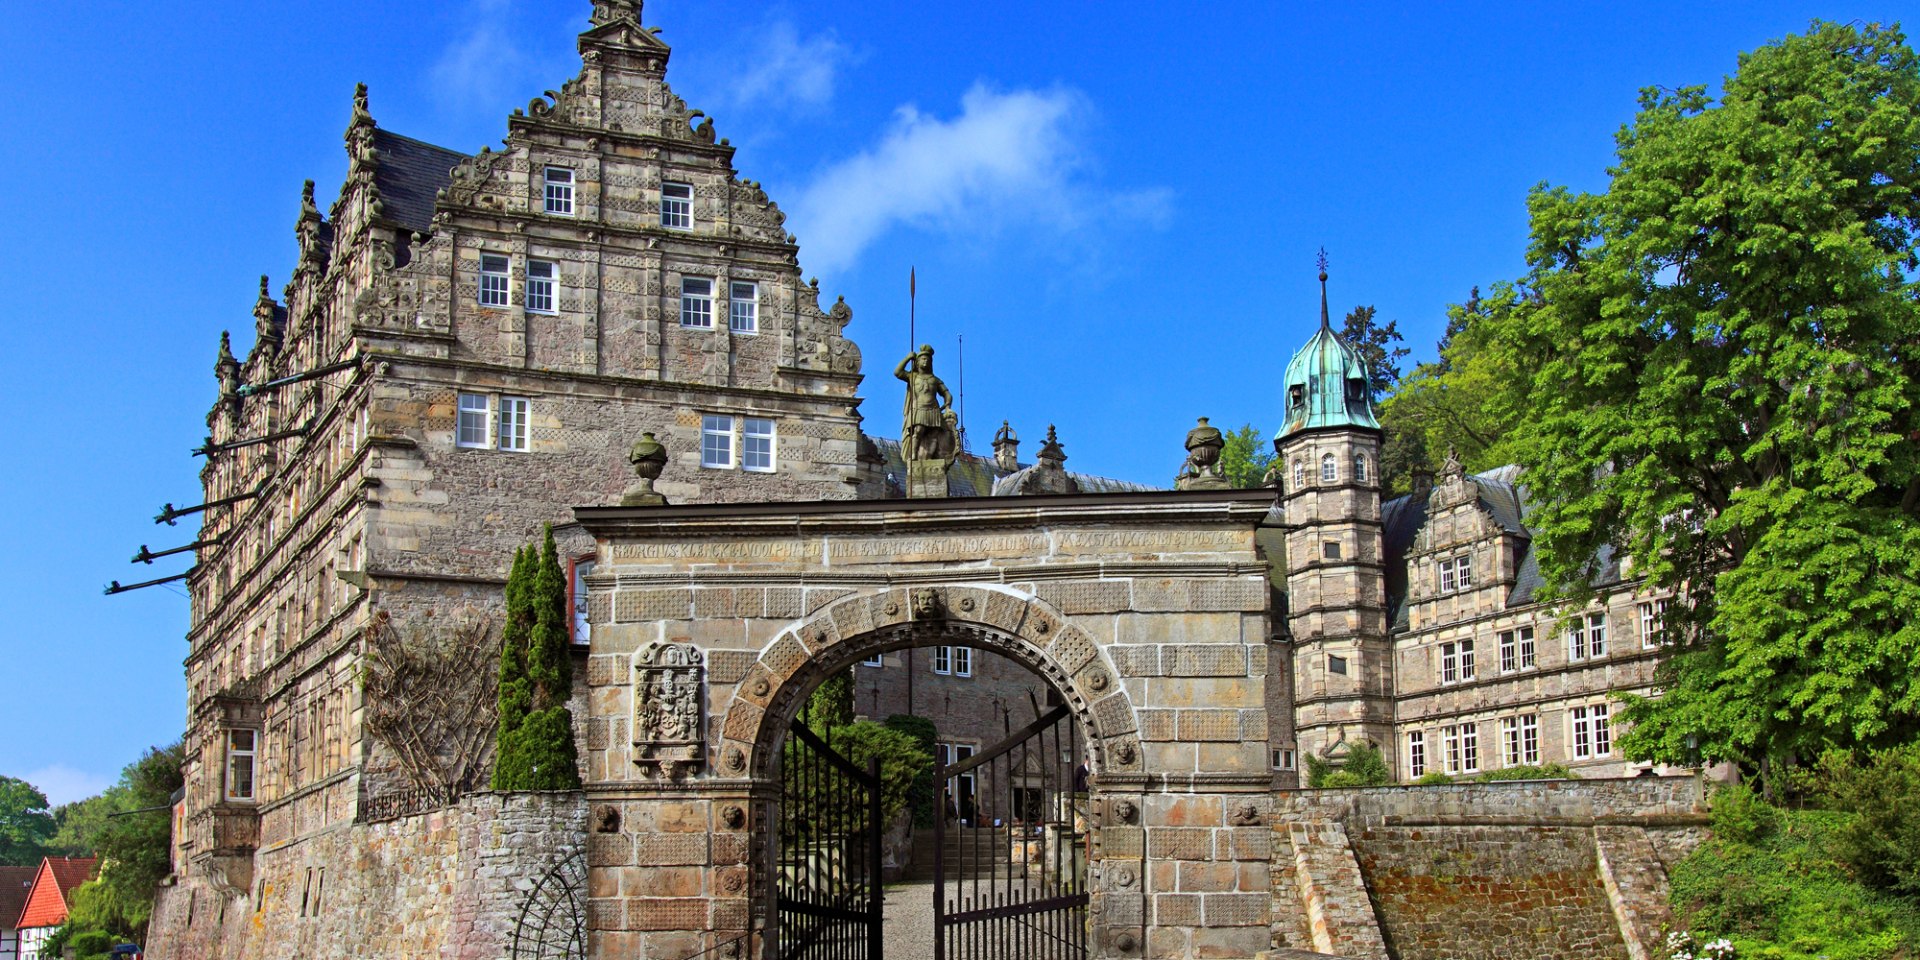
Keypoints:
(669, 697)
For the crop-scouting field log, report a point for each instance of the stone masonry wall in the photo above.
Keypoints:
(447, 885)
(1566, 869)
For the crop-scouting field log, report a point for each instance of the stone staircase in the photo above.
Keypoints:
(982, 851)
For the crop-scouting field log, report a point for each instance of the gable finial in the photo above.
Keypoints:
(1322, 262)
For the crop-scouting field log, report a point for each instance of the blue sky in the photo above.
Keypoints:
(1116, 203)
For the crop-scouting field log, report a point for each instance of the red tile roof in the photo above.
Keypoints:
(47, 901)
(14, 884)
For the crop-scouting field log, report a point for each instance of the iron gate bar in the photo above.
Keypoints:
(1013, 740)
(821, 885)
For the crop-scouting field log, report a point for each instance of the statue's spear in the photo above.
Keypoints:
(912, 303)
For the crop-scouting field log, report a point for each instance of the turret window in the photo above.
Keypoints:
(1359, 469)
(1329, 469)
(1299, 474)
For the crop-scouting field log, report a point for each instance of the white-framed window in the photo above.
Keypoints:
(1530, 738)
(1520, 740)
(1591, 735)
(953, 661)
(1653, 621)
(495, 279)
(475, 415)
(1450, 748)
(1509, 652)
(1586, 636)
(1469, 747)
(959, 799)
(1417, 754)
(1329, 469)
(716, 442)
(559, 194)
(543, 277)
(515, 431)
(582, 628)
(676, 206)
(1359, 469)
(1526, 647)
(743, 307)
(1456, 573)
(1284, 759)
(1456, 661)
(873, 661)
(696, 302)
(1299, 474)
(242, 747)
(756, 444)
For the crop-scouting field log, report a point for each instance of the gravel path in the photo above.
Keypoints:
(908, 920)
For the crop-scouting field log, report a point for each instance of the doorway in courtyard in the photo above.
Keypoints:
(988, 856)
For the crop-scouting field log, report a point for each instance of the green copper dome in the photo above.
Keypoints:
(1326, 382)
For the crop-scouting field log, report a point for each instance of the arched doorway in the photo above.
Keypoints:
(1013, 836)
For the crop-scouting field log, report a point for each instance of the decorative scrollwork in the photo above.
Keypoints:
(553, 921)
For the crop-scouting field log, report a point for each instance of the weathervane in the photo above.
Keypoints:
(1322, 261)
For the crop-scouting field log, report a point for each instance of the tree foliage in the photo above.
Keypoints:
(1456, 402)
(129, 827)
(1376, 345)
(1363, 766)
(921, 796)
(1717, 359)
(536, 749)
(830, 706)
(1245, 457)
(26, 824)
(1882, 841)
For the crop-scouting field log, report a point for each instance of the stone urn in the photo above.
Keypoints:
(1202, 469)
(649, 458)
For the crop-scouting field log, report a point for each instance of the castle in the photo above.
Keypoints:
(467, 350)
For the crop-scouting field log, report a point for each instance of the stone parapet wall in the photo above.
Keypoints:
(448, 885)
(1673, 800)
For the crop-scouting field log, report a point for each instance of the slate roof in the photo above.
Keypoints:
(46, 904)
(410, 175)
(973, 476)
(15, 882)
(1506, 500)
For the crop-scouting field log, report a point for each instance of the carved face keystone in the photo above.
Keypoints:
(926, 604)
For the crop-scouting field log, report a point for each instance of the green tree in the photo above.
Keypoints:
(921, 796)
(26, 825)
(1719, 373)
(1363, 766)
(1376, 345)
(536, 746)
(830, 705)
(1456, 402)
(1245, 457)
(129, 827)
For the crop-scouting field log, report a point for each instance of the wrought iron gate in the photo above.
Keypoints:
(553, 920)
(1009, 862)
(828, 883)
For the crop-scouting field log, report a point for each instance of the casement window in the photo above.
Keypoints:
(1456, 574)
(1359, 469)
(1509, 652)
(543, 278)
(242, 748)
(1587, 636)
(1469, 734)
(953, 661)
(1329, 469)
(696, 303)
(1299, 474)
(515, 430)
(959, 792)
(743, 307)
(1284, 759)
(475, 416)
(676, 206)
(873, 661)
(559, 195)
(577, 598)
(1653, 622)
(1520, 740)
(495, 280)
(1450, 748)
(1591, 735)
(716, 442)
(1416, 754)
(756, 444)
(1456, 661)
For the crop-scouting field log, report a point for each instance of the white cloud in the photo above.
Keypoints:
(789, 70)
(483, 67)
(1008, 159)
(64, 784)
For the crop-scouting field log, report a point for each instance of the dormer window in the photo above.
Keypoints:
(1329, 469)
(1356, 390)
(1296, 397)
(1456, 574)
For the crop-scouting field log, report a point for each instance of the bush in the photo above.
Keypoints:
(902, 760)
(1433, 778)
(1882, 842)
(91, 943)
(1363, 767)
(923, 795)
(1784, 895)
(1742, 816)
(1550, 771)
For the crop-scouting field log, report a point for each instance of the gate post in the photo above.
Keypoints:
(876, 833)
